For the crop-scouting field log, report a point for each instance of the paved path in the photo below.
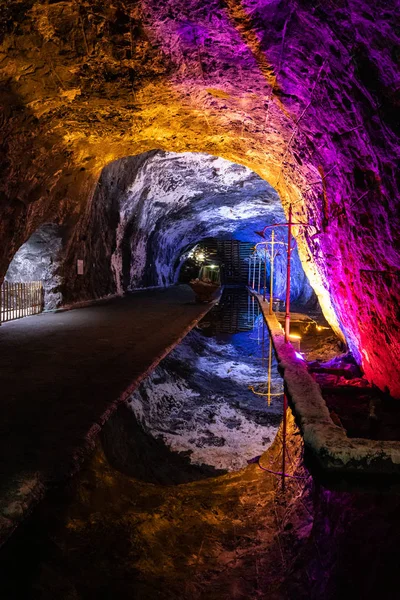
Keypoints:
(61, 373)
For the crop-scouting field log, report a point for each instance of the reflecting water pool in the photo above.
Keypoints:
(217, 398)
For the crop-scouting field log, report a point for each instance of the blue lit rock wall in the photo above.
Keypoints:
(40, 259)
(147, 210)
(198, 401)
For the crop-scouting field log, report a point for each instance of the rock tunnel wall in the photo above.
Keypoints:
(147, 210)
(40, 259)
(306, 94)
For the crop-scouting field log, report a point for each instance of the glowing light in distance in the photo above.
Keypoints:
(300, 356)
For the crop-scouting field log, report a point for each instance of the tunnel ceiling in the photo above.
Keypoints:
(305, 94)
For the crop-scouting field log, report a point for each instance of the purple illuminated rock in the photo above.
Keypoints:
(307, 95)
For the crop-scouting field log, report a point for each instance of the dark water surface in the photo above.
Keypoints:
(205, 411)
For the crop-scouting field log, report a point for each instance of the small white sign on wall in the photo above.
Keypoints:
(79, 267)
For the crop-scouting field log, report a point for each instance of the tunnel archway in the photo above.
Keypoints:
(149, 210)
(40, 259)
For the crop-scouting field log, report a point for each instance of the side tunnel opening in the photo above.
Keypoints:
(40, 259)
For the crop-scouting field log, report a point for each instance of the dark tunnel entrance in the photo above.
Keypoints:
(240, 263)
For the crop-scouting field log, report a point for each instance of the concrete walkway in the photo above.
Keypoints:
(61, 376)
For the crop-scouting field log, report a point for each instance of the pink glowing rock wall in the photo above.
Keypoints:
(321, 82)
(305, 93)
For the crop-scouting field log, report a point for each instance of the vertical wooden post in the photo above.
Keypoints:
(263, 343)
(265, 272)
(271, 283)
(287, 313)
(269, 371)
(284, 441)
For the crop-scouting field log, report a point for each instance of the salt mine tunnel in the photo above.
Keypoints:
(199, 307)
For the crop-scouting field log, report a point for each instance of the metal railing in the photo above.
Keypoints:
(19, 300)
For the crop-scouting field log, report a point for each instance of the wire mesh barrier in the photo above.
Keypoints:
(19, 300)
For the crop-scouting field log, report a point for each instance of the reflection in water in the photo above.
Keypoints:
(124, 530)
(264, 388)
(200, 399)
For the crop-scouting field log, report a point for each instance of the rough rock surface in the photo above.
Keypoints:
(148, 210)
(39, 259)
(305, 94)
(198, 401)
(323, 435)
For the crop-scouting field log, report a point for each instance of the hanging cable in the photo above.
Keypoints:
(279, 474)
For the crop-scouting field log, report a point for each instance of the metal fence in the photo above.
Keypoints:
(19, 300)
